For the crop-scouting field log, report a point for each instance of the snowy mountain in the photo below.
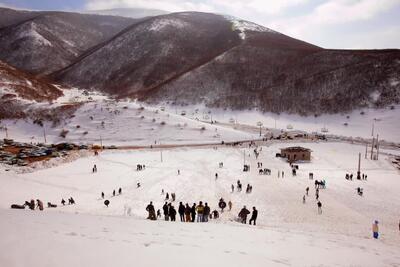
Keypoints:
(43, 42)
(192, 58)
(129, 12)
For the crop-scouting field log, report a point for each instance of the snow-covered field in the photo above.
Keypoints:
(288, 232)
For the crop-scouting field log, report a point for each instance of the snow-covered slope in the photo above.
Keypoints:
(287, 232)
(99, 119)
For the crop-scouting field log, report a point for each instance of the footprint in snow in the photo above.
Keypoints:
(72, 234)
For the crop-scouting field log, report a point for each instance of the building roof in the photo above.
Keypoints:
(296, 149)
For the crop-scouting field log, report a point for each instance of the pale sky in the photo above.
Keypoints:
(327, 23)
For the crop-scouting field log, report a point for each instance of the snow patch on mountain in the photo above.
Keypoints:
(31, 32)
(161, 23)
(375, 96)
(243, 26)
(394, 81)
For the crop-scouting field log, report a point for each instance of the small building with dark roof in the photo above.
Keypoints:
(296, 153)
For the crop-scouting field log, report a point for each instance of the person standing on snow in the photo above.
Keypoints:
(375, 230)
(304, 199)
(232, 188)
(200, 212)
(120, 191)
(102, 195)
(187, 213)
(193, 212)
(181, 211)
(114, 193)
(165, 211)
(230, 205)
(254, 216)
(216, 176)
(172, 213)
(206, 212)
(307, 189)
(152, 212)
(319, 204)
(243, 214)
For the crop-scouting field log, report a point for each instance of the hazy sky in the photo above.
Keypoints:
(327, 23)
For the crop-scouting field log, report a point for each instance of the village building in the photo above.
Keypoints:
(296, 153)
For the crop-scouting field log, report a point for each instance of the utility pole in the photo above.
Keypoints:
(372, 147)
(377, 146)
(44, 134)
(366, 150)
(359, 165)
(373, 128)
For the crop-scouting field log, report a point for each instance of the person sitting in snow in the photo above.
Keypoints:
(106, 202)
(71, 201)
(39, 204)
(63, 202)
